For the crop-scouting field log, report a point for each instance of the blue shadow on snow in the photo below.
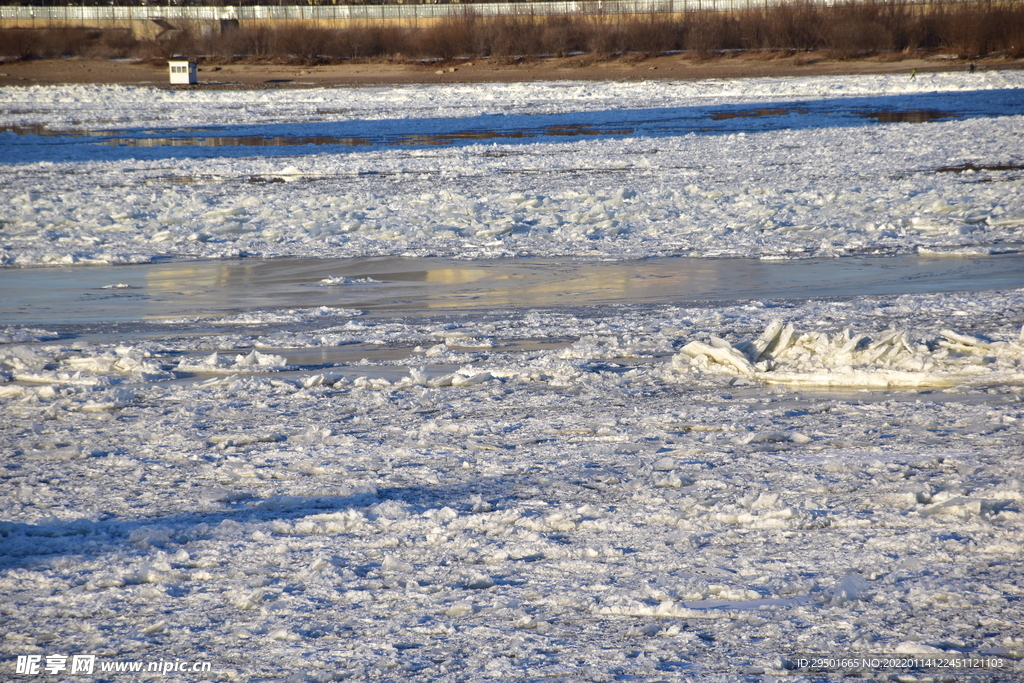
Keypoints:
(296, 139)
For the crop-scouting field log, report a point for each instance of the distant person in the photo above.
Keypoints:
(913, 74)
(970, 68)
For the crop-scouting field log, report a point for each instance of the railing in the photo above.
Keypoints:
(76, 13)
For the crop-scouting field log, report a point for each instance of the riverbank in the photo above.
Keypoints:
(580, 68)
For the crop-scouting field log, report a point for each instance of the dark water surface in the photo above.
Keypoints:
(405, 286)
(40, 142)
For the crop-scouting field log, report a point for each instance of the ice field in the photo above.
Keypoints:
(617, 170)
(584, 463)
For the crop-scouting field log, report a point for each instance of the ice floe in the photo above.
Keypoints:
(639, 491)
(830, 186)
(891, 359)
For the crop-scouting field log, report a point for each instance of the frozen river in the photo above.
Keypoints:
(568, 381)
(770, 168)
(359, 126)
(403, 286)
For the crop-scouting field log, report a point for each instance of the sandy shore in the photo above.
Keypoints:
(248, 76)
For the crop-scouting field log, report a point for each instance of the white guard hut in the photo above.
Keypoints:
(182, 72)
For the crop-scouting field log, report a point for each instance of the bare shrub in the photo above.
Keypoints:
(848, 40)
(906, 29)
(606, 39)
(793, 26)
(446, 40)
(517, 36)
(1013, 25)
(653, 35)
(561, 36)
(20, 43)
(959, 32)
(114, 44)
(976, 30)
(305, 43)
(211, 40)
(66, 42)
(375, 41)
(970, 29)
(708, 33)
(753, 29)
(176, 43)
(854, 29)
(250, 41)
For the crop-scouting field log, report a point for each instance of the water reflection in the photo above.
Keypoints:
(152, 139)
(456, 276)
(231, 141)
(913, 116)
(411, 139)
(414, 139)
(656, 122)
(754, 113)
(195, 280)
(409, 286)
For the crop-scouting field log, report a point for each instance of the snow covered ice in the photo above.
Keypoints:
(672, 490)
(829, 179)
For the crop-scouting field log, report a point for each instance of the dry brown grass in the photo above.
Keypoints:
(889, 27)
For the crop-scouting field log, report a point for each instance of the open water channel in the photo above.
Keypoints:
(407, 286)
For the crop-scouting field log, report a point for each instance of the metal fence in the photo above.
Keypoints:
(70, 14)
